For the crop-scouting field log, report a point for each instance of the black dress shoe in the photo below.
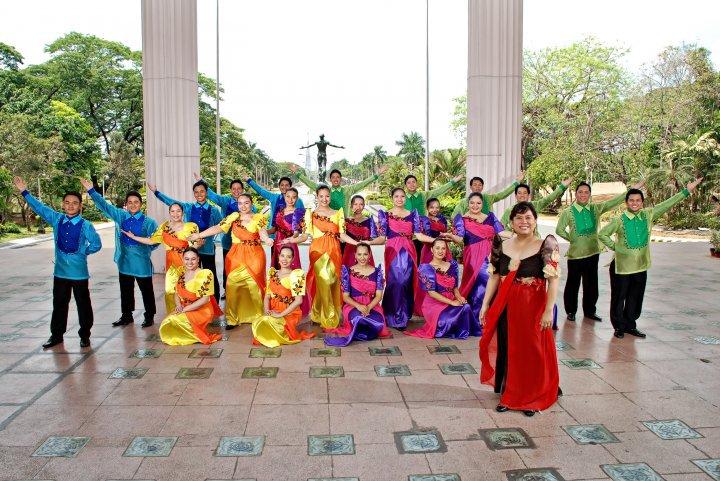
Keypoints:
(123, 321)
(501, 409)
(85, 342)
(53, 341)
(149, 321)
(222, 298)
(571, 317)
(560, 393)
(594, 317)
(636, 333)
(619, 334)
(230, 327)
(529, 413)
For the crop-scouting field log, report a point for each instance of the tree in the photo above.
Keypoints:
(447, 164)
(412, 149)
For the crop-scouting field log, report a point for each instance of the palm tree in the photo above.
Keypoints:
(379, 156)
(447, 164)
(412, 149)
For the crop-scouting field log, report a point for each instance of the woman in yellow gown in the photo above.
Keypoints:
(327, 228)
(283, 299)
(174, 235)
(245, 263)
(195, 308)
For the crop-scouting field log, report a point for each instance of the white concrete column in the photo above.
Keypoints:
(494, 92)
(170, 102)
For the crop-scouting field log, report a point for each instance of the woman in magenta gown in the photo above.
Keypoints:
(361, 227)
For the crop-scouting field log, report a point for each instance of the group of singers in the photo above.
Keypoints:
(504, 293)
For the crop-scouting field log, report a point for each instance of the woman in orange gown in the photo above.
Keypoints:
(195, 305)
(326, 227)
(283, 301)
(245, 263)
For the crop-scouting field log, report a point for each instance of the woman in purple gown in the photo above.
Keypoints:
(475, 231)
(433, 224)
(362, 286)
(446, 312)
(398, 225)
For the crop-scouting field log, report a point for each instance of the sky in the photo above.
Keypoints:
(355, 70)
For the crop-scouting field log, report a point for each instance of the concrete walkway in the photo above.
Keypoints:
(132, 408)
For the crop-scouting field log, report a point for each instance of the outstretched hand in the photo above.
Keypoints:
(196, 176)
(638, 185)
(693, 185)
(294, 168)
(19, 183)
(382, 169)
(86, 183)
(152, 187)
(567, 182)
(520, 176)
(128, 233)
(458, 177)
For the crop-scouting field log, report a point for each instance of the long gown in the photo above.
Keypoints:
(442, 320)
(190, 327)
(175, 244)
(272, 331)
(245, 265)
(323, 279)
(477, 239)
(365, 230)
(285, 226)
(432, 228)
(400, 266)
(518, 357)
(356, 326)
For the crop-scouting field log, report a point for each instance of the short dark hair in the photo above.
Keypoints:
(200, 183)
(321, 187)
(355, 197)
(335, 171)
(395, 189)
(476, 194)
(177, 204)
(635, 191)
(288, 248)
(477, 178)
(363, 244)
(430, 200)
(237, 181)
(288, 179)
(521, 208)
(408, 177)
(581, 184)
(522, 186)
(191, 249)
(73, 193)
(133, 193)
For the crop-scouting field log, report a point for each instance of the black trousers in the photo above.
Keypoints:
(225, 273)
(585, 270)
(626, 298)
(127, 295)
(207, 261)
(62, 291)
(502, 351)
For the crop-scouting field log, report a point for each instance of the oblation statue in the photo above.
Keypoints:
(322, 146)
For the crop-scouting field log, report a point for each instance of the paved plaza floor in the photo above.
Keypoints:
(398, 409)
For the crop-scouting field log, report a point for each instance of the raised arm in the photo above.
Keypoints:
(543, 202)
(111, 212)
(164, 198)
(263, 192)
(443, 189)
(616, 201)
(666, 205)
(49, 215)
(336, 146)
(498, 196)
(148, 241)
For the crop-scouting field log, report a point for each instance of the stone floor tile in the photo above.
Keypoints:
(330, 445)
(363, 387)
(304, 390)
(46, 362)
(203, 426)
(422, 360)
(17, 462)
(631, 472)
(615, 411)
(671, 429)
(545, 474)
(34, 424)
(363, 361)
(240, 446)
(506, 438)
(155, 389)
(456, 420)
(583, 463)
(363, 419)
(678, 404)
(379, 462)
(709, 444)
(590, 434)
(546, 423)
(583, 381)
(168, 363)
(224, 389)
(21, 387)
(709, 466)
(116, 426)
(107, 363)
(265, 467)
(288, 424)
(80, 388)
(434, 386)
(230, 362)
(473, 460)
(187, 464)
(664, 456)
(633, 376)
(299, 362)
(61, 447)
(144, 446)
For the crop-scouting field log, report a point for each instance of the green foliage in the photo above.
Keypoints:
(412, 150)
(691, 220)
(9, 228)
(715, 239)
(92, 213)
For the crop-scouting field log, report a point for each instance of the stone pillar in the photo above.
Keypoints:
(170, 102)
(494, 93)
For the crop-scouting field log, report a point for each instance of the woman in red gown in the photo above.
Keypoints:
(517, 349)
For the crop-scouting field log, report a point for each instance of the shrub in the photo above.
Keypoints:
(92, 213)
(9, 228)
(691, 220)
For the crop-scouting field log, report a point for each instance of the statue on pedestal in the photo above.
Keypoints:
(322, 146)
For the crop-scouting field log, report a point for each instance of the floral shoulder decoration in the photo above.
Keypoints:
(204, 288)
(552, 267)
(514, 264)
(299, 286)
(425, 281)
